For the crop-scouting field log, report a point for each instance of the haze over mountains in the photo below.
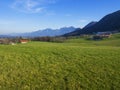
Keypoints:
(110, 22)
(46, 32)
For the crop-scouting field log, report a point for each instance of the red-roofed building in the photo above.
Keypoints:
(24, 40)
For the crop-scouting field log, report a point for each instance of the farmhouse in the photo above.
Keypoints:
(101, 35)
(104, 34)
(24, 40)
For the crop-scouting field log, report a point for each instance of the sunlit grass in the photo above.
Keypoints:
(73, 65)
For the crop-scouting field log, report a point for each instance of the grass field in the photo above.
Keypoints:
(76, 64)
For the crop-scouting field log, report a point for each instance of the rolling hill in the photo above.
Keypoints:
(90, 24)
(110, 22)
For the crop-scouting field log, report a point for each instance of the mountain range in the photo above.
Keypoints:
(46, 32)
(110, 22)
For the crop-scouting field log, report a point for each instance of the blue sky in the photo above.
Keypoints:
(32, 15)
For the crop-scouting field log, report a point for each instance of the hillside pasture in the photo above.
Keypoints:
(76, 64)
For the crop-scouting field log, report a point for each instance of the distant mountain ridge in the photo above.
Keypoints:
(110, 22)
(46, 32)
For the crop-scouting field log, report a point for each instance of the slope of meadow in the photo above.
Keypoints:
(76, 64)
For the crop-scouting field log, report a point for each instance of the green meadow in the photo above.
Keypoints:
(76, 64)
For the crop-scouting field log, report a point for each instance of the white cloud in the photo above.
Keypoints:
(83, 21)
(31, 6)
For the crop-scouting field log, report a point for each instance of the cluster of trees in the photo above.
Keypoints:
(49, 39)
(44, 39)
(10, 40)
(58, 39)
